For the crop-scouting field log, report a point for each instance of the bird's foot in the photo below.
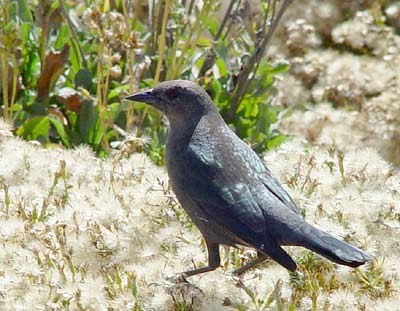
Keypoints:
(238, 272)
(177, 285)
(177, 278)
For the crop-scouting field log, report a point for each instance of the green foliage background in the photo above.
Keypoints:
(66, 67)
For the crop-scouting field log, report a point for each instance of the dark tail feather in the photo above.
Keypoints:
(280, 256)
(332, 248)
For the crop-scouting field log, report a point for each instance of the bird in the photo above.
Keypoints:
(227, 191)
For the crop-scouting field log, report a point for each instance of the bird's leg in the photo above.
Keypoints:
(260, 257)
(213, 261)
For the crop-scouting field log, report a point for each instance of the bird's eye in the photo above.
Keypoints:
(172, 93)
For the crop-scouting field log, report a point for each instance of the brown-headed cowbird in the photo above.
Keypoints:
(229, 194)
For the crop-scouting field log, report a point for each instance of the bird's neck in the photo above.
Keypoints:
(181, 133)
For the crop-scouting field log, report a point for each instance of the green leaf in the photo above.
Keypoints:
(83, 78)
(266, 118)
(89, 124)
(222, 68)
(24, 13)
(59, 127)
(281, 67)
(268, 69)
(269, 114)
(216, 89)
(110, 135)
(74, 56)
(212, 25)
(62, 38)
(222, 51)
(88, 117)
(203, 42)
(53, 7)
(145, 83)
(37, 108)
(114, 93)
(31, 69)
(35, 128)
(249, 107)
(113, 111)
(12, 11)
(25, 30)
(72, 118)
(275, 141)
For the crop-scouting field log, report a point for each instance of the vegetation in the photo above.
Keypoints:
(66, 67)
(83, 233)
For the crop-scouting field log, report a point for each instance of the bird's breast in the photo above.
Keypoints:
(194, 160)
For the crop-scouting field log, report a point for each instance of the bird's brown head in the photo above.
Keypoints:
(179, 100)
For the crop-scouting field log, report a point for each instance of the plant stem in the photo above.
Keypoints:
(73, 33)
(4, 72)
(100, 55)
(100, 87)
(156, 23)
(225, 19)
(190, 43)
(228, 28)
(42, 43)
(131, 61)
(244, 78)
(161, 51)
(190, 7)
(171, 70)
(130, 55)
(15, 80)
(161, 40)
(105, 88)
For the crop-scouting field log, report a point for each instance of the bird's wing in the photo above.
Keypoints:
(233, 206)
(275, 187)
(225, 179)
(245, 155)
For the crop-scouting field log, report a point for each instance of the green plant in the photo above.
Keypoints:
(313, 277)
(64, 79)
(10, 28)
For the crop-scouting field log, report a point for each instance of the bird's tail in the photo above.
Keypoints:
(329, 247)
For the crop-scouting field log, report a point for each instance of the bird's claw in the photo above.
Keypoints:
(178, 278)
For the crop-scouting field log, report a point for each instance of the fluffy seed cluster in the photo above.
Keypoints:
(301, 36)
(317, 20)
(360, 79)
(82, 233)
(361, 33)
(111, 28)
(392, 12)
(347, 82)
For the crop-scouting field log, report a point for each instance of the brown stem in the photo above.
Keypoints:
(244, 76)
(4, 69)
(225, 19)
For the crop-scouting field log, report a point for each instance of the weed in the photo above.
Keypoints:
(64, 78)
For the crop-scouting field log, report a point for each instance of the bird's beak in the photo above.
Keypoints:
(144, 97)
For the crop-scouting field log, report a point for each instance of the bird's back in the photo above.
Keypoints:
(227, 181)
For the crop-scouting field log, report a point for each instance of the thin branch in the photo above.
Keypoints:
(190, 7)
(71, 28)
(244, 76)
(265, 22)
(228, 29)
(225, 19)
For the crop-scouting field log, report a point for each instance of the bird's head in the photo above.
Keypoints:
(179, 100)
